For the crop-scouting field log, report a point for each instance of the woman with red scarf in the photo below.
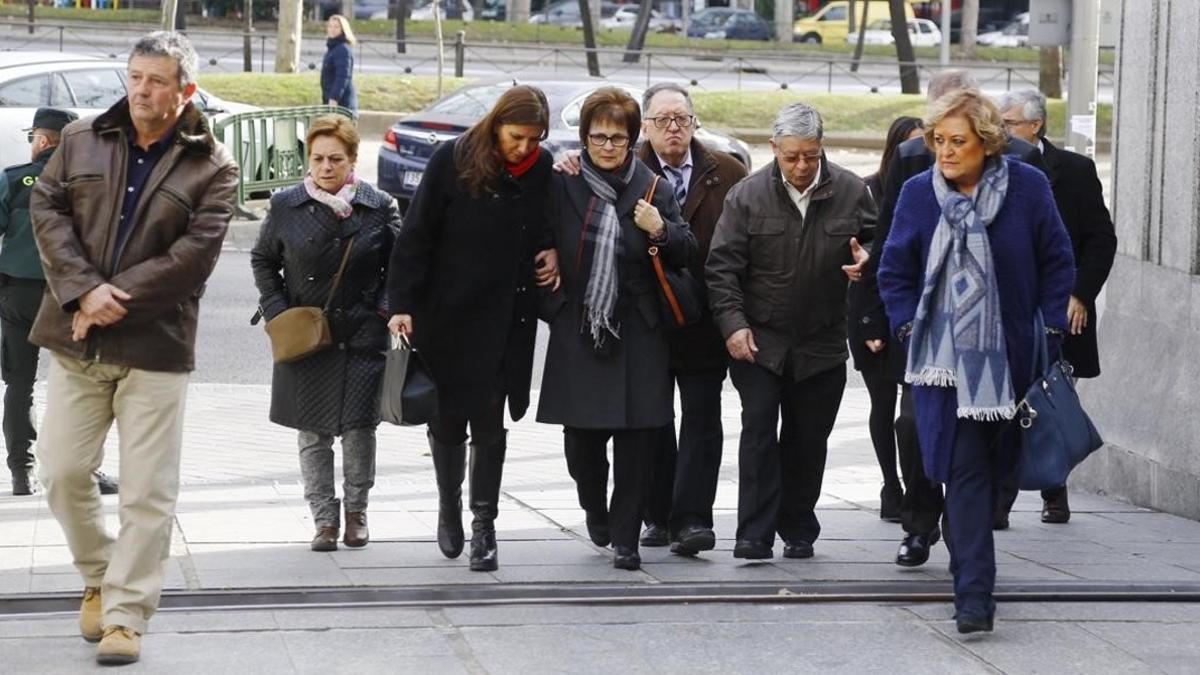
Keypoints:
(465, 266)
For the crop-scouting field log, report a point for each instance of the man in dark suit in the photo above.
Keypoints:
(1080, 200)
(921, 509)
(680, 504)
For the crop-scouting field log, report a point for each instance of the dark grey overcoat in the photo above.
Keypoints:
(295, 259)
(628, 388)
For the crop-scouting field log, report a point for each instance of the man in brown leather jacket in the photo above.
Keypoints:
(129, 216)
(784, 246)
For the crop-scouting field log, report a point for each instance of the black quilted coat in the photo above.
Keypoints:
(295, 259)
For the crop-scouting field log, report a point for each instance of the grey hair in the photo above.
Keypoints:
(799, 120)
(656, 89)
(174, 45)
(1031, 101)
(947, 81)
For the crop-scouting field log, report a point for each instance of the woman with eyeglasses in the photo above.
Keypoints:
(606, 374)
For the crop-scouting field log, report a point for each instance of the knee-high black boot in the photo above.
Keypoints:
(449, 463)
(487, 466)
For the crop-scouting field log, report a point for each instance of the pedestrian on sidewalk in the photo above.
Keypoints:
(869, 343)
(975, 250)
(465, 266)
(685, 472)
(129, 216)
(333, 228)
(1080, 201)
(22, 284)
(784, 247)
(337, 68)
(607, 365)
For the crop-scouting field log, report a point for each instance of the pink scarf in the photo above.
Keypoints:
(340, 202)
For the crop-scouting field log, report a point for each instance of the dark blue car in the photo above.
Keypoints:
(723, 23)
(409, 144)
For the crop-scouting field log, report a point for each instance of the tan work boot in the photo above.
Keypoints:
(89, 615)
(120, 645)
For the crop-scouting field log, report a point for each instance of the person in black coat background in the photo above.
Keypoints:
(334, 392)
(1080, 200)
(337, 68)
(870, 354)
(607, 364)
(462, 288)
(921, 508)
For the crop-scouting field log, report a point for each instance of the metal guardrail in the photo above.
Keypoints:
(268, 145)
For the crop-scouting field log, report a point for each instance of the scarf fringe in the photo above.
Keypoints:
(996, 414)
(599, 325)
(932, 377)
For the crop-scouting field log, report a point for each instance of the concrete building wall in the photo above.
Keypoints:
(1145, 402)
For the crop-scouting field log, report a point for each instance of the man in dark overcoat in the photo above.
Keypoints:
(679, 508)
(1080, 200)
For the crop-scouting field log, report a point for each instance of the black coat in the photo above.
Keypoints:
(866, 313)
(630, 387)
(463, 268)
(1080, 200)
(295, 259)
(700, 347)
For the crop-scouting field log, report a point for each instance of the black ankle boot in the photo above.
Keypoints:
(487, 467)
(20, 484)
(449, 463)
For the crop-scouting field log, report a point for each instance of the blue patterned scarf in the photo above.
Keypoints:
(957, 333)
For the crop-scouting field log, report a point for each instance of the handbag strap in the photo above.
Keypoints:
(1041, 351)
(653, 186)
(659, 272)
(337, 278)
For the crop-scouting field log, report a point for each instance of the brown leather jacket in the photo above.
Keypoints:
(178, 228)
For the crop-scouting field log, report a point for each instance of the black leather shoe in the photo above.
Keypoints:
(752, 550)
(597, 527)
(20, 484)
(107, 484)
(914, 550)
(626, 558)
(1000, 519)
(1056, 511)
(974, 623)
(655, 535)
(484, 557)
(890, 498)
(693, 539)
(797, 549)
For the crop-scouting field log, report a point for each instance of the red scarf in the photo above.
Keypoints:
(523, 167)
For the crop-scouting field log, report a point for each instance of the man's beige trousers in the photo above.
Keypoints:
(82, 400)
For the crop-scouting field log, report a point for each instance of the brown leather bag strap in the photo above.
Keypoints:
(668, 293)
(653, 187)
(337, 278)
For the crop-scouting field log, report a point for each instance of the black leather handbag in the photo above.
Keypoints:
(408, 395)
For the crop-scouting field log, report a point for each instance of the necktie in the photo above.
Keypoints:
(676, 177)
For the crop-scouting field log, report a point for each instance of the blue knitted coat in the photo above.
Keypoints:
(1034, 267)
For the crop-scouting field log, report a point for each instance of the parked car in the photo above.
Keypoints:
(831, 23)
(626, 17)
(363, 9)
(990, 19)
(409, 144)
(723, 23)
(87, 85)
(1015, 34)
(921, 33)
(449, 9)
(566, 13)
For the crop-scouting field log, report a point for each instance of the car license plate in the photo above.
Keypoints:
(412, 179)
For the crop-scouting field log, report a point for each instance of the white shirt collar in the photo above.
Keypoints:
(687, 161)
(802, 199)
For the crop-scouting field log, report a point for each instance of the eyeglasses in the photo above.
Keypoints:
(662, 122)
(1009, 124)
(32, 135)
(600, 140)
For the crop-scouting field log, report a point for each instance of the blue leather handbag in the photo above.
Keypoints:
(1056, 434)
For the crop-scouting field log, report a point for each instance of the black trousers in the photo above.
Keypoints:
(1010, 488)
(882, 421)
(19, 302)
(921, 509)
(587, 462)
(781, 466)
(487, 426)
(686, 472)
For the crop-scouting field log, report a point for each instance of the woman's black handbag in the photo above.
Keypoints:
(680, 295)
(1056, 434)
(408, 394)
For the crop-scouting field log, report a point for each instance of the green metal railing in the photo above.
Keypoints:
(268, 145)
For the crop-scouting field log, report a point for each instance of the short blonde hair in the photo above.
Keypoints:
(346, 30)
(338, 127)
(980, 112)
